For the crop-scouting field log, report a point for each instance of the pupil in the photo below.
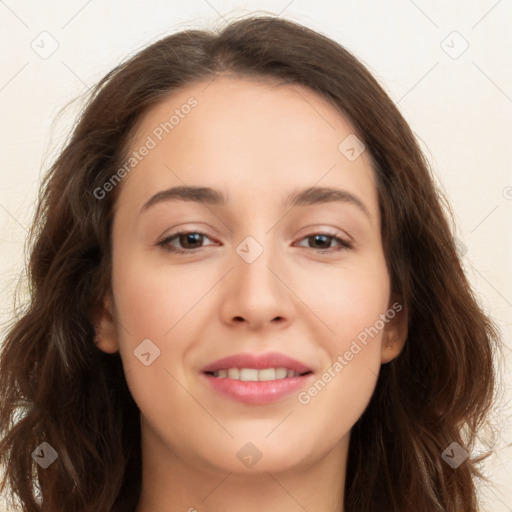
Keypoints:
(325, 239)
(191, 238)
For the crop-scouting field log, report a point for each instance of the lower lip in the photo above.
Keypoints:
(258, 392)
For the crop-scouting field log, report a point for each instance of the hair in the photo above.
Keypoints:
(59, 388)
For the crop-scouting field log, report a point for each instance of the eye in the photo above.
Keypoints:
(186, 240)
(325, 239)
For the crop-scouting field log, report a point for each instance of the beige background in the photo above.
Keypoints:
(457, 99)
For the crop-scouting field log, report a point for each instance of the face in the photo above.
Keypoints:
(271, 270)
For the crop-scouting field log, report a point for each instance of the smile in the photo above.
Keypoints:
(256, 375)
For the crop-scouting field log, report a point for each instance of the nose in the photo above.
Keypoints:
(255, 293)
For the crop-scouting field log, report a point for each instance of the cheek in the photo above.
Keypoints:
(153, 299)
(350, 305)
(346, 300)
(152, 315)
(158, 310)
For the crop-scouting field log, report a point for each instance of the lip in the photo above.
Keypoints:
(258, 361)
(259, 392)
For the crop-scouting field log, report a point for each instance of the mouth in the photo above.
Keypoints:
(257, 379)
(257, 375)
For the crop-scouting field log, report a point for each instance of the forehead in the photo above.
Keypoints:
(249, 132)
(265, 108)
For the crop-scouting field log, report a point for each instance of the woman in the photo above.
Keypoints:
(245, 296)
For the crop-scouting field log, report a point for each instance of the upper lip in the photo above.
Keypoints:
(258, 361)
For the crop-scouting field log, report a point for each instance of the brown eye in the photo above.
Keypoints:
(189, 241)
(322, 242)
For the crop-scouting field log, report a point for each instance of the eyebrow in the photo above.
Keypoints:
(306, 197)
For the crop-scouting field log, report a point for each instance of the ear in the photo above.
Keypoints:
(105, 326)
(395, 332)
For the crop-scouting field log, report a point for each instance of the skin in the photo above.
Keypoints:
(256, 142)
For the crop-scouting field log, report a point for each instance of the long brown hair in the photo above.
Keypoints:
(58, 387)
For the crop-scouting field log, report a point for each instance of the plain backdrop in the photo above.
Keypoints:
(445, 64)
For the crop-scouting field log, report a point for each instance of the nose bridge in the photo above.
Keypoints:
(255, 258)
(256, 250)
(255, 293)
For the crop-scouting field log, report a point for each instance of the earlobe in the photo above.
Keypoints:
(105, 326)
(395, 334)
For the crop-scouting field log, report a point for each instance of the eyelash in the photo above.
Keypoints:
(165, 243)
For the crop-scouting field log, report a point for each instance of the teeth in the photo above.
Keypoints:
(249, 374)
(234, 373)
(281, 373)
(254, 375)
(266, 374)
